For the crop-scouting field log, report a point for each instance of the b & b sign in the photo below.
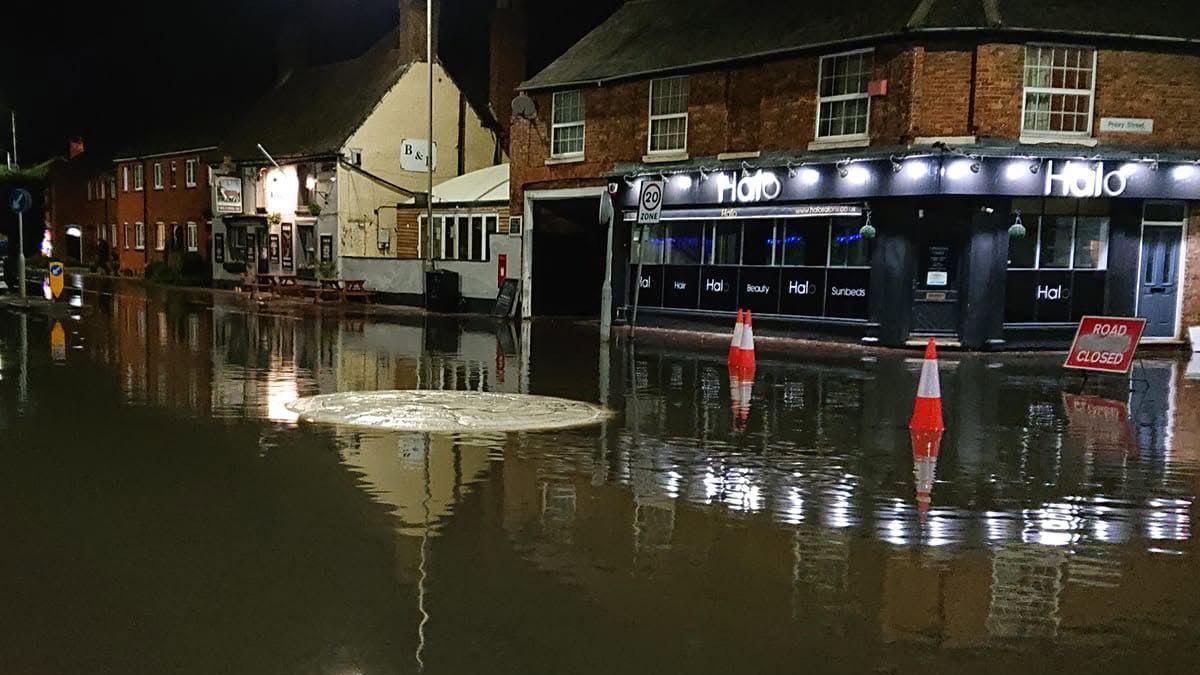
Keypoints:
(414, 153)
(1105, 344)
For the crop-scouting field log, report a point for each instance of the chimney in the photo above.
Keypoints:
(75, 148)
(506, 58)
(411, 36)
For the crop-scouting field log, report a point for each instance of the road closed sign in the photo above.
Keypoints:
(1105, 344)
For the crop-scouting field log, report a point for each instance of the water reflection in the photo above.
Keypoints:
(779, 516)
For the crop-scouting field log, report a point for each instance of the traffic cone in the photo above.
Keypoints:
(746, 355)
(735, 393)
(735, 345)
(925, 446)
(927, 411)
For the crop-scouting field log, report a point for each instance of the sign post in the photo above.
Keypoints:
(19, 202)
(650, 201)
(1105, 344)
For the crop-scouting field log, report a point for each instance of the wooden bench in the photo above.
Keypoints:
(327, 288)
(356, 288)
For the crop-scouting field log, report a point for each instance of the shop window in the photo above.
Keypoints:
(1054, 241)
(566, 135)
(805, 242)
(1057, 270)
(843, 103)
(685, 243)
(652, 247)
(236, 241)
(158, 176)
(758, 242)
(847, 246)
(723, 243)
(668, 114)
(1060, 84)
(1091, 243)
(189, 173)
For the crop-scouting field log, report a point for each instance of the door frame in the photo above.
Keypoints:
(527, 241)
(1181, 268)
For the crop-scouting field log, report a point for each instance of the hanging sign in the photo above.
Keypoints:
(229, 194)
(1105, 344)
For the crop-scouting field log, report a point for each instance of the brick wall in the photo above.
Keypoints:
(71, 202)
(1190, 312)
(174, 205)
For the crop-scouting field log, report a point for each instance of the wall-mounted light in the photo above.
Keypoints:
(310, 182)
(976, 166)
(843, 168)
(1183, 171)
(1034, 167)
(682, 181)
(809, 176)
(896, 165)
(703, 174)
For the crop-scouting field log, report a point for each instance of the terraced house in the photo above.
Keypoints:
(981, 171)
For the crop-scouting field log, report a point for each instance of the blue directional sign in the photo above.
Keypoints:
(20, 200)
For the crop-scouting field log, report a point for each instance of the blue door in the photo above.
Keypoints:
(1159, 287)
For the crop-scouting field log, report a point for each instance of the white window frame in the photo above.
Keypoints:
(174, 174)
(451, 220)
(139, 177)
(139, 236)
(126, 230)
(125, 178)
(193, 236)
(158, 176)
(113, 244)
(160, 236)
(669, 116)
(866, 134)
(556, 126)
(189, 173)
(1027, 90)
(100, 189)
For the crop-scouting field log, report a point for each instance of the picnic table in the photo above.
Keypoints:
(287, 284)
(342, 290)
(355, 288)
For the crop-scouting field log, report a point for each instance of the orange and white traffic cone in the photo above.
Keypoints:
(735, 345)
(735, 394)
(925, 446)
(927, 411)
(746, 355)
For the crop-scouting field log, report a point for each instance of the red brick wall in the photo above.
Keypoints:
(941, 89)
(69, 203)
(171, 205)
(1190, 311)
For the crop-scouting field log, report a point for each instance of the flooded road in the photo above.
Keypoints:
(164, 512)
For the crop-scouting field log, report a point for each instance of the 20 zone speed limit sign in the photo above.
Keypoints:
(650, 202)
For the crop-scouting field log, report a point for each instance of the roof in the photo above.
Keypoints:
(313, 112)
(646, 37)
(489, 184)
(176, 135)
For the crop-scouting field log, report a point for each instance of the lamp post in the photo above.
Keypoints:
(429, 144)
(20, 217)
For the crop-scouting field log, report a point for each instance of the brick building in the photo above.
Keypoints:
(81, 204)
(983, 172)
(163, 203)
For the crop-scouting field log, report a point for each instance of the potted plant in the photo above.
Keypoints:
(274, 219)
(314, 209)
(327, 270)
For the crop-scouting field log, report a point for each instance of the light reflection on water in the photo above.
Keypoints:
(815, 504)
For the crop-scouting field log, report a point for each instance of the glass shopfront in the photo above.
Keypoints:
(816, 267)
(1057, 271)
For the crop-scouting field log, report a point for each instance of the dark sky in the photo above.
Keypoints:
(110, 70)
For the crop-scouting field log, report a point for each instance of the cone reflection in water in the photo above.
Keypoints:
(741, 386)
(735, 345)
(925, 446)
(58, 342)
(927, 410)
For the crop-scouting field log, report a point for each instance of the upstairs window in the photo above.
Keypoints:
(125, 178)
(174, 176)
(567, 127)
(668, 115)
(1060, 87)
(139, 241)
(139, 177)
(158, 176)
(189, 173)
(193, 236)
(843, 103)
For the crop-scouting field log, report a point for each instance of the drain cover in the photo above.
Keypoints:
(447, 411)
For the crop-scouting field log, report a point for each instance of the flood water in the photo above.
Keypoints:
(161, 510)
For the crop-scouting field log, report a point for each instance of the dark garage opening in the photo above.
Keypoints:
(569, 247)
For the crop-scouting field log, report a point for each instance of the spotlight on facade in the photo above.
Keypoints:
(810, 176)
(843, 168)
(682, 181)
(959, 170)
(1015, 170)
(916, 168)
(857, 175)
(896, 165)
(1183, 171)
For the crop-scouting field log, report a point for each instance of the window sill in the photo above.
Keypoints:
(565, 159)
(1086, 141)
(663, 157)
(832, 144)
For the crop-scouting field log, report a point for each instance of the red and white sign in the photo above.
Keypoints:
(1105, 344)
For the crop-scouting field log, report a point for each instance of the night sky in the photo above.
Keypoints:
(109, 71)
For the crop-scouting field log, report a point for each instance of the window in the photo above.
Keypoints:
(100, 187)
(125, 178)
(139, 177)
(174, 176)
(567, 126)
(160, 236)
(128, 237)
(101, 233)
(668, 114)
(847, 246)
(113, 239)
(89, 190)
(843, 104)
(112, 186)
(1061, 234)
(158, 176)
(189, 173)
(139, 231)
(458, 237)
(356, 156)
(193, 236)
(308, 246)
(1060, 84)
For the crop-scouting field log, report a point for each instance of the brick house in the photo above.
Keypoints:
(982, 172)
(81, 204)
(163, 202)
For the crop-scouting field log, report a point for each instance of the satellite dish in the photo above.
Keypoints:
(524, 107)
